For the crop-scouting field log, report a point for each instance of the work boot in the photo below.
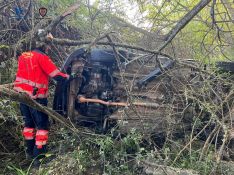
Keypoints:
(29, 149)
(39, 153)
(29, 157)
(36, 163)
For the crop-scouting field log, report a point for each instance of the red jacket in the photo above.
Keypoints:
(34, 70)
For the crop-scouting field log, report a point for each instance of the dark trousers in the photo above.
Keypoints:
(34, 119)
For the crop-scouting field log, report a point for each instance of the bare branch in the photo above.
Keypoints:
(183, 22)
(68, 42)
(58, 19)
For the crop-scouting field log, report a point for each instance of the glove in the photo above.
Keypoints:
(72, 76)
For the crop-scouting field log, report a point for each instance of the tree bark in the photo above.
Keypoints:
(183, 22)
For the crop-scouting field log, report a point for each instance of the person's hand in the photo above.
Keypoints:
(72, 76)
(49, 36)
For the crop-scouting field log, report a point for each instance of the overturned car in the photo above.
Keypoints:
(102, 86)
(143, 91)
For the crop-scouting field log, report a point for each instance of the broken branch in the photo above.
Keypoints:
(23, 98)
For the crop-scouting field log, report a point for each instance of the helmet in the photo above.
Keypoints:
(40, 33)
(38, 43)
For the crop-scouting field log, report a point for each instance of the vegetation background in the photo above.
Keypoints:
(205, 39)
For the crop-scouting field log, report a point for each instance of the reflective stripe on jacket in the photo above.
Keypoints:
(34, 70)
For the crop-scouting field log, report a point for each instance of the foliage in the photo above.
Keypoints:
(198, 39)
(116, 155)
(190, 159)
(17, 171)
(105, 154)
(8, 109)
(7, 71)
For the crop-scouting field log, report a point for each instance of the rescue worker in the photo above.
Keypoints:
(32, 77)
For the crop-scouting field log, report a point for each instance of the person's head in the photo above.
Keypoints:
(40, 45)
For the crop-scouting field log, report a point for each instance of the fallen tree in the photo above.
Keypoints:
(7, 92)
